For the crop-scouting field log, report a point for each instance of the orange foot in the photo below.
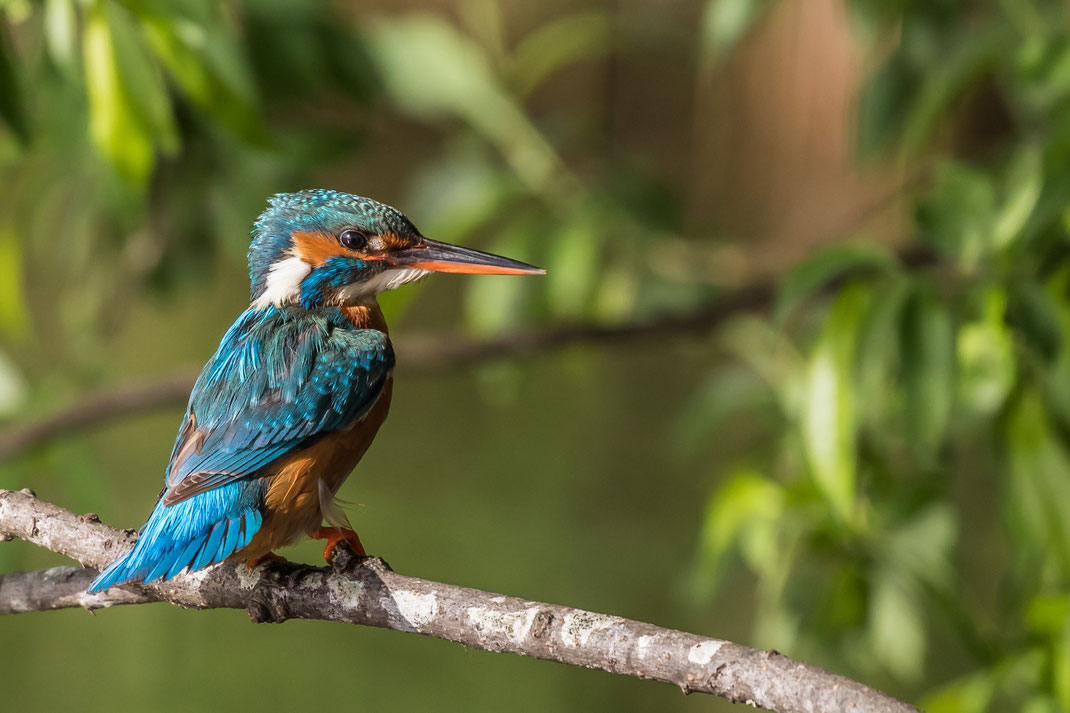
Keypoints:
(269, 557)
(334, 535)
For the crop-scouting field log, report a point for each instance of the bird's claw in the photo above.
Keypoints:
(335, 536)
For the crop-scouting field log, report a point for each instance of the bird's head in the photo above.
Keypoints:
(322, 247)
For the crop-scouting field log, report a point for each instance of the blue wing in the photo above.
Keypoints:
(280, 379)
(274, 385)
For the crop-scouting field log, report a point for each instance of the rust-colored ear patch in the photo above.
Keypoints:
(317, 248)
(393, 241)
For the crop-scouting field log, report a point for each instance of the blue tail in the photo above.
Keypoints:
(205, 529)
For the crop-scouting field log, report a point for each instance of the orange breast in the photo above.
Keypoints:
(292, 505)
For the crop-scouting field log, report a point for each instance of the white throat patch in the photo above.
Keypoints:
(283, 282)
(385, 280)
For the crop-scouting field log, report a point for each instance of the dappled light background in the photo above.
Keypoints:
(867, 471)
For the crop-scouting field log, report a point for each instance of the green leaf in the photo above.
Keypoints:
(986, 361)
(957, 217)
(771, 355)
(206, 63)
(969, 694)
(928, 360)
(574, 266)
(1061, 667)
(826, 265)
(879, 349)
(968, 58)
(1022, 187)
(432, 71)
(883, 104)
(13, 387)
(129, 109)
(1048, 615)
(61, 35)
(829, 421)
(12, 108)
(896, 627)
(556, 44)
(722, 395)
(921, 548)
(744, 512)
(14, 314)
(1039, 483)
(1036, 315)
(495, 304)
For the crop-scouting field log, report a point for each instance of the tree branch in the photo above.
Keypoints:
(366, 591)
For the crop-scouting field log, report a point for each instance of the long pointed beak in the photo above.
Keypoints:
(445, 257)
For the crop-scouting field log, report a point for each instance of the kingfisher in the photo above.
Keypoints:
(296, 391)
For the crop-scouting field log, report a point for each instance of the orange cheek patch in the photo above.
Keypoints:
(317, 248)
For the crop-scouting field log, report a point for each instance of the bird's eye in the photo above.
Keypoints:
(353, 239)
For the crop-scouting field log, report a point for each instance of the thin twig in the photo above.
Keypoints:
(366, 591)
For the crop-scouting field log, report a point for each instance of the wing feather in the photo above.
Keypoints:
(281, 379)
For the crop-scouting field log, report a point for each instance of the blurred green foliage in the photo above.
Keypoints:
(890, 444)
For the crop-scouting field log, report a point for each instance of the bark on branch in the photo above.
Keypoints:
(366, 591)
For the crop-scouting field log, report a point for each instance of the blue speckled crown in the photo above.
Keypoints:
(310, 211)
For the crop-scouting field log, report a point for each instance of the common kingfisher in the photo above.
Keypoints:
(297, 389)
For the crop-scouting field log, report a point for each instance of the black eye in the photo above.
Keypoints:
(353, 239)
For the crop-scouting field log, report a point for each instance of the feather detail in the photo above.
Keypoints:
(192, 534)
(332, 511)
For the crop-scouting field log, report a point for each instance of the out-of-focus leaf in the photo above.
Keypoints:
(970, 694)
(573, 268)
(459, 194)
(1035, 314)
(743, 512)
(495, 304)
(829, 422)
(1061, 667)
(896, 627)
(883, 104)
(821, 268)
(556, 44)
(772, 356)
(1043, 318)
(430, 70)
(928, 368)
(61, 35)
(1040, 704)
(129, 110)
(921, 548)
(1039, 483)
(878, 348)
(12, 109)
(618, 292)
(957, 217)
(966, 61)
(725, 22)
(13, 389)
(206, 64)
(1048, 614)
(986, 363)
(725, 393)
(1023, 184)
(14, 316)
